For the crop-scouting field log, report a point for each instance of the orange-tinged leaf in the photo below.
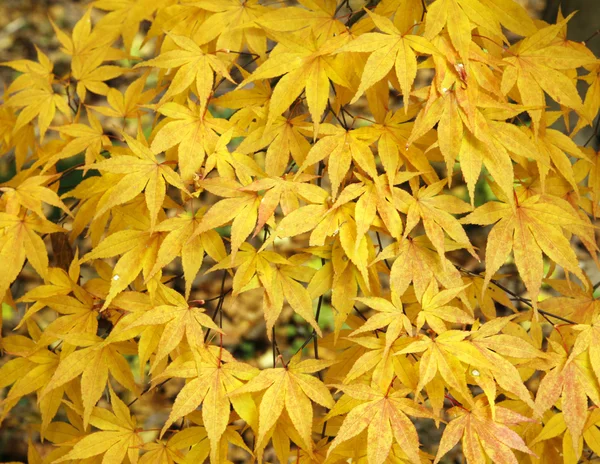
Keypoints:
(384, 415)
(481, 434)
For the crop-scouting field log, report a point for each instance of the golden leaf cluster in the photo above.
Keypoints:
(382, 164)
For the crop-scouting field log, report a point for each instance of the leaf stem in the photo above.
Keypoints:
(219, 309)
(381, 248)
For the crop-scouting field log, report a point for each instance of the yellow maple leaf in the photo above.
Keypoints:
(118, 438)
(290, 387)
(532, 227)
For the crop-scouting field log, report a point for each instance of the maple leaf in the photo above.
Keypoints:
(20, 240)
(88, 49)
(92, 363)
(84, 40)
(395, 130)
(306, 65)
(318, 15)
(282, 283)
(536, 66)
(90, 139)
(392, 49)
(447, 108)
(419, 263)
(385, 415)
(178, 318)
(237, 205)
(291, 387)
(556, 426)
(279, 277)
(377, 199)
(435, 308)
(532, 227)
(576, 303)
(284, 137)
(494, 144)
(34, 74)
(591, 164)
(324, 220)
(590, 102)
(195, 66)
(249, 263)
(496, 348)
(76, 316)
(29, 191)
(128, 14)
(285, 192)
(341, 147)
(38, 101)
(127, 105)
(142, 172)
(486, 300)
(212, 388)
(390, 315)
(92, 77)
(377, 360)
(117, 439)
(138, 250)
(58, 283)
(178, 242)
(481, 435)
(444, 355)
(436, 213)
(572, 378)
(349, 272)
(249, 102)
(29, 372)
(233, 24)
(193, 438)
(231, 165)
(457, 16)
(556, 148)
(89, 192)
(193, 130)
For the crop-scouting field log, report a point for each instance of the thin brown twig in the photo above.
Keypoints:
(381, 248)
(339, 7)
(306, 342)
(591, 37)
(354, 18)
(519, 298)
(594, 134)
(218, 297)
(219, 309)
(64, 173)
(146, 390)
(273, 345)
